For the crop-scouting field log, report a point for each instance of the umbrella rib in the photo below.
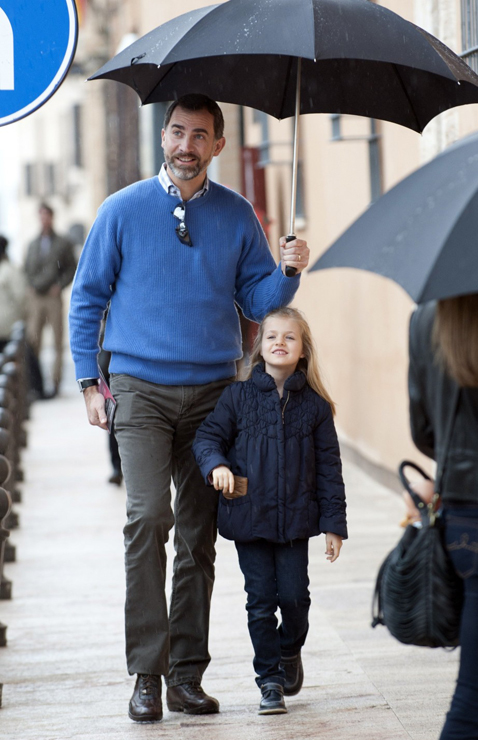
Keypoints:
(399, 76)
(183, 41)
(160, 82)
(211, 9)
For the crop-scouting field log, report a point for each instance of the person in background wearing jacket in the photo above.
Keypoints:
(13, 290)
(50, 266)
(270, 446)
(12, 294)
(443, 374)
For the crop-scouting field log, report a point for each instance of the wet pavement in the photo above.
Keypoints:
(64, 672)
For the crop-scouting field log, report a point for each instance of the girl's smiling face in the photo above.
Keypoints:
(281, 345)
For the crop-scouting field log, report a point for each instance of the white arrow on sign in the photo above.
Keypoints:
(6, 53)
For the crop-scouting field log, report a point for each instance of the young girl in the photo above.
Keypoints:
(270, 446)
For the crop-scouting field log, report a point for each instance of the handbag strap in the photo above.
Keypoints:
(417, 500)
(446, 438)
(421, 505)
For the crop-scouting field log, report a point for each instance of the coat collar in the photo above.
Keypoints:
(266, 382)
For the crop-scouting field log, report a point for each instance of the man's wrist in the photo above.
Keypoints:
(91, 392)
(85, 383)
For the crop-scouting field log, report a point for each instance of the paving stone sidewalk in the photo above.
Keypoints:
(63, 669)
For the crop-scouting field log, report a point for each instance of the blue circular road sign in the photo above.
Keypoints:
(37, 45)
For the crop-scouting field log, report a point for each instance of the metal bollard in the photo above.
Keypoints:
(5, 513)
(10, 377)
(5, 504)
(9, 555)
(13, 412)
(8, 439)
(5, 584)
(18, 334)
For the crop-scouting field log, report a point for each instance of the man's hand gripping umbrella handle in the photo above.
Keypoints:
(290, 271)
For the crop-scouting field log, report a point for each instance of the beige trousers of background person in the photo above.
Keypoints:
(42, 310)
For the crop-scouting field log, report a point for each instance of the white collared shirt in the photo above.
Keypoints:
(173, 189)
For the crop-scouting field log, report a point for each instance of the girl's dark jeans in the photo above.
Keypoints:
(461, 536)
(275, 576)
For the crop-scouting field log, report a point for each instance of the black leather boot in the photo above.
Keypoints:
(272, 701)
(190, 699)
(145, 704)
(294, 674)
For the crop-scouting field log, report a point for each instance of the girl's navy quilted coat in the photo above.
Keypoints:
(288, 451)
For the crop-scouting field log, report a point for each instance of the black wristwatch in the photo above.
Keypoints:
(86, 382)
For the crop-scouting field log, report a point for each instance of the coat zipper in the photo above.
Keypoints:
(285, 404)
(282, 528)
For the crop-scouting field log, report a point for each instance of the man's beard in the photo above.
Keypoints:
(186, 172)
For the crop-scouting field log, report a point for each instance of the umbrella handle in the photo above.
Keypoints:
(290, 271)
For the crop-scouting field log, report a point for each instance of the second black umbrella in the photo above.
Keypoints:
(423, 232)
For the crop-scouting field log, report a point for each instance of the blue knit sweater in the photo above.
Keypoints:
(172, 319)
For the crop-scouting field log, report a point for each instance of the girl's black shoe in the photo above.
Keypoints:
(272, 701)
(294, 674)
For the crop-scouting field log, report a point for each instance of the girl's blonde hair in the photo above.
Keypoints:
(308, 364)
(455, 336)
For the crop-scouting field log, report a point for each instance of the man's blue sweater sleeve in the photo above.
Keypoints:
(95, 277)
(216, 435)
(260, 284)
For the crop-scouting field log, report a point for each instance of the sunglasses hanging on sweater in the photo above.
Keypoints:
(181, 229)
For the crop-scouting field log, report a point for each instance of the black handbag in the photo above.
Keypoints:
(418, 595)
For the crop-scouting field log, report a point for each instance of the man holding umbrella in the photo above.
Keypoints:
(173, 254)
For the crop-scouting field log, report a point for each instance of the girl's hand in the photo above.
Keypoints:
(333, 543)
(223, 479)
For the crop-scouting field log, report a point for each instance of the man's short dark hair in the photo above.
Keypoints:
(46, 207)
(195, 102)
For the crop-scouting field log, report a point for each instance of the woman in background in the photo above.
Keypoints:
(12, 309)
(443, 383)
(12, 294)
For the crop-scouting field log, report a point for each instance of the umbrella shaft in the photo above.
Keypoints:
(295, 157)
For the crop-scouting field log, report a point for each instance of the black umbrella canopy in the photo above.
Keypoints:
(423, 232)
(358, 58)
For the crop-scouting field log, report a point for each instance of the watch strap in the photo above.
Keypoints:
(86, 383)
